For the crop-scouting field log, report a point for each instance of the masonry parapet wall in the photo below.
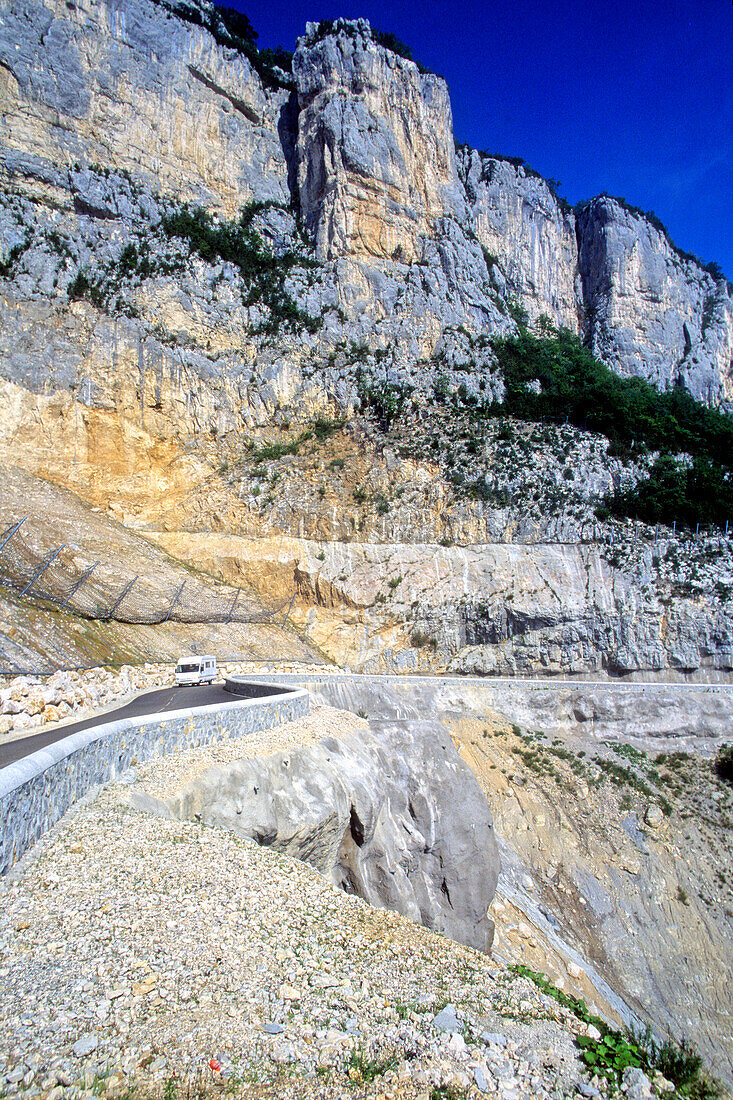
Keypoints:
(37, 791)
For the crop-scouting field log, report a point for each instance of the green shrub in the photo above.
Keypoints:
(93, 289)
(367, 1067)
(79, 285)
(262, 272)
(577, 388)
(674, 491)
(272, 451)
(609, 1055)
(323, 428)
(383, 399)
(8, 265)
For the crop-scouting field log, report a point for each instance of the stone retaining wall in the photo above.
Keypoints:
(655, 715)
(36, 792)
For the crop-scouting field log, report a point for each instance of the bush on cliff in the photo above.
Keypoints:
(677, 492)
(263, 272)
(724, 763)
(575, 387)
(553, 377)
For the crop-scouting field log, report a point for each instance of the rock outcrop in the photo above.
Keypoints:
(140, 91)
(497, 609)
(528, 233)
(376, 164)
(394, 816)
(650, 310)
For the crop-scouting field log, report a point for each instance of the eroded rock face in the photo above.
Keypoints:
(375, 146)
(394, 816)
(649, 311)
(521, 223)
(140, 90)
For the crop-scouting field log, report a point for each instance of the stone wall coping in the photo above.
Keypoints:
(541, 683)
(15, 775)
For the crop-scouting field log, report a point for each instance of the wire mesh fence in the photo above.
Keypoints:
(103, 590)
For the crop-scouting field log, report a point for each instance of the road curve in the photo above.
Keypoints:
(151, 702)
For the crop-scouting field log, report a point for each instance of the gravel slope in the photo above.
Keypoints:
(135, 950)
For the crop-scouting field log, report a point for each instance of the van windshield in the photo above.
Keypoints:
(188, 666)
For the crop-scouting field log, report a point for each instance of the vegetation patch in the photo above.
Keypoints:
(724, 764)
(613, 1051)
(364, 1067)
(555, 378)
(323, 429)
(166, 249)
(8, 266)
(270, 452)
(263, 273)
(382, 398)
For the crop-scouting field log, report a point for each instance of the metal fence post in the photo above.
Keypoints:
(174, 601)
(287, 613)
(10, 531)
(120, 598)
(39, 572)
(78, 584)
(234, 604)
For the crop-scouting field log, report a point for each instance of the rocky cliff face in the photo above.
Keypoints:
(145, 369)
(529, 235)
(363, 145)
(130, 87)
(376, 165)
(650, 311)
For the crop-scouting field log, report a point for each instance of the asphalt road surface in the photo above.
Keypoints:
(152, 702)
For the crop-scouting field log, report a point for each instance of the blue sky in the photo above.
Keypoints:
(633, 97)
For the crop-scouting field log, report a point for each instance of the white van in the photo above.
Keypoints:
(195, 670)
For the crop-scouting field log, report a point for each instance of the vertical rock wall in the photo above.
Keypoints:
(518, 219)
(375, 147)
(648, 310)
(126, 85)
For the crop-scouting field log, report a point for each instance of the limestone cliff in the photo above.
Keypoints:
(128, 86)
(376, 165)
(528, 233)
(363, 146)
(650, 310)
(185, 371)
